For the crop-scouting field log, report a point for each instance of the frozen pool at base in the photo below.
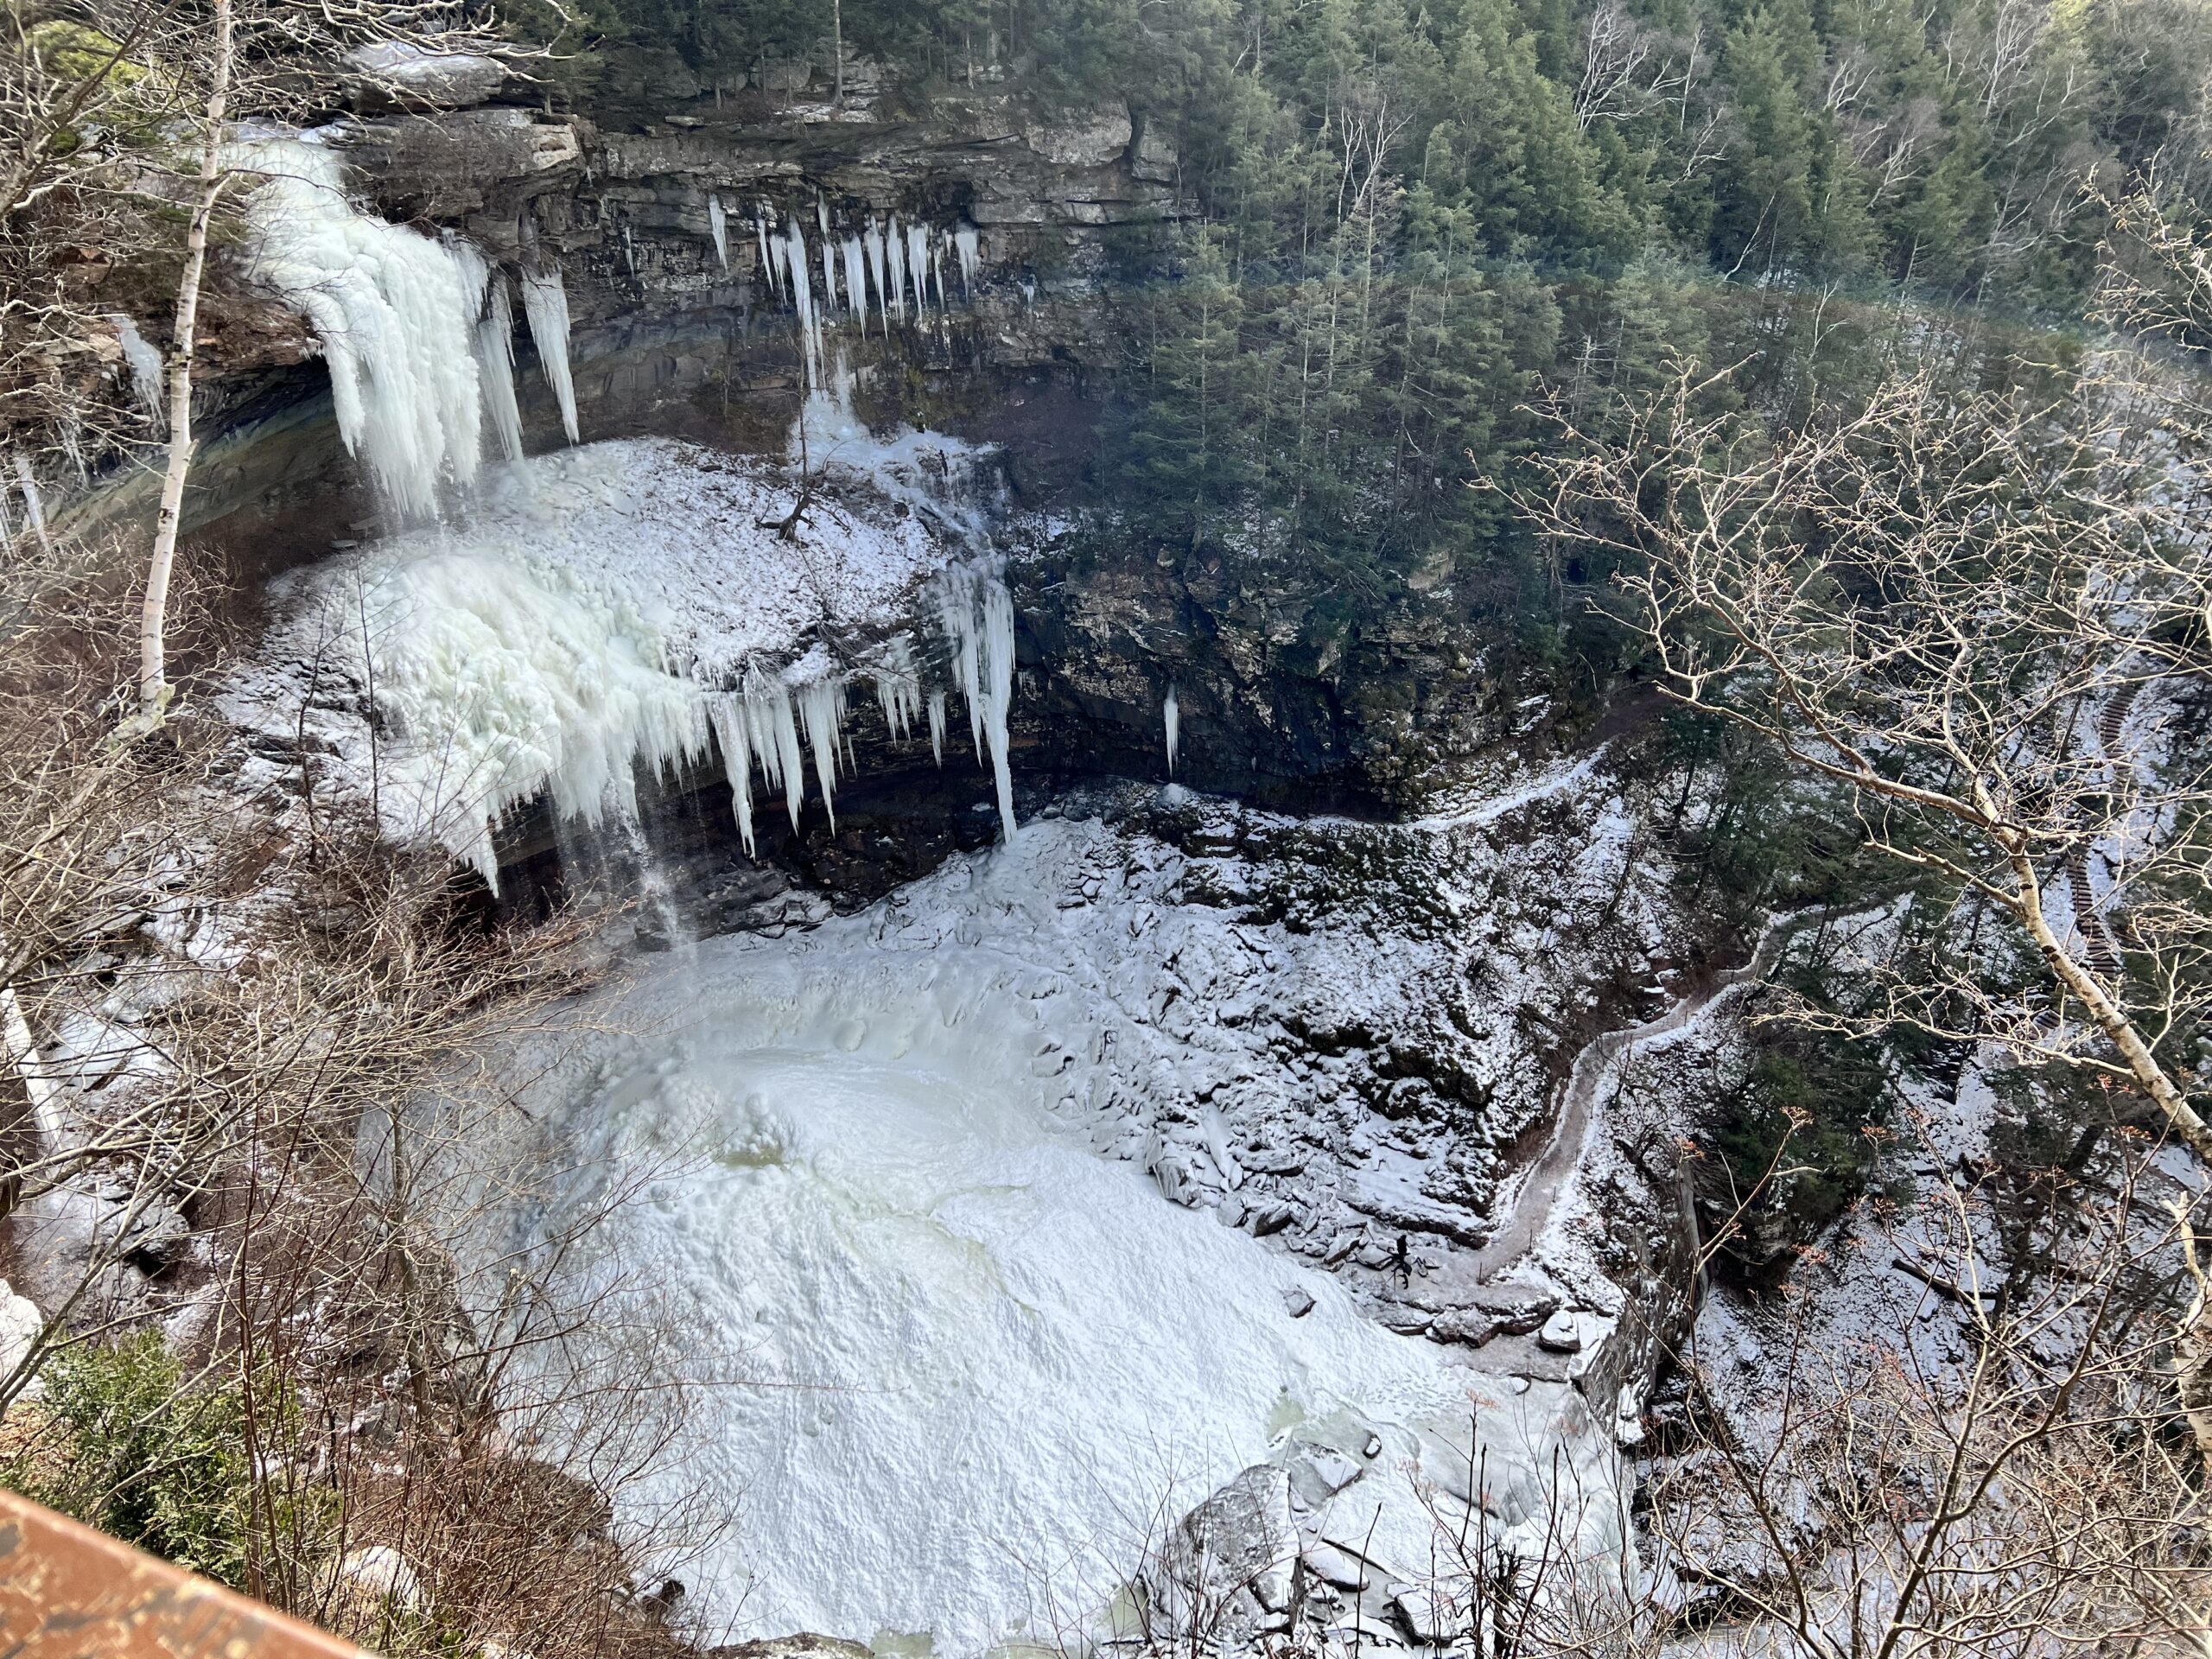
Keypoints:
(980, 1368)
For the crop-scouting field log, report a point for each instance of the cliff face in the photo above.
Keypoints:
(671, 335)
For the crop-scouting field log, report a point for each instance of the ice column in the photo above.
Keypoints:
(495, 365)
(145, 366)
(822, 710)
(917, 265)
(809, 325)
(545, 302)
(966, 245)
(899, 688)
(874, 247)
(856, 280)
(395, 313)
(1171, 716)
(829, 262)
(894, 255)
(718, 228)
(937, 727)
(755, 726)
(769, 264)
(978, 615)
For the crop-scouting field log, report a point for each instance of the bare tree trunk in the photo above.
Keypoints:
(837, 40)
(2109, 1018)
(153, 678)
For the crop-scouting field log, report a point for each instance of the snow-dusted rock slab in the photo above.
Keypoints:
(395, 72)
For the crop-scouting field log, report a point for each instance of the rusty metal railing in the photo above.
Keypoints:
(69, 1593)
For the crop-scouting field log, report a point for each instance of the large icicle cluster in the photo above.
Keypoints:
(417, 330)
(759, 724)
(894, 268)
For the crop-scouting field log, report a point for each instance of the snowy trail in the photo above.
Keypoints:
(1496, 807)
(1539, 1189)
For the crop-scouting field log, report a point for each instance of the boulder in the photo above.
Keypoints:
(1469, 1325)
(805, 1645)
(19, 1325)
(379, 1575)
(1561, 1333)
(396, 75)
(1241, 1538)
(1095, 139)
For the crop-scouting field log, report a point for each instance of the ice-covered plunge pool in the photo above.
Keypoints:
(965, 1372)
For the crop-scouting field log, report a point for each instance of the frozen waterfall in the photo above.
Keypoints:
(545, 302)
(395, 313)
(418, 332)
(760, 724)
(895, 264)
(718, 228)
(1171, 716)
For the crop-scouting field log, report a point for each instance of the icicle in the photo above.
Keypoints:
(918, 267)
(856, 280)
(73, 445)
(937, 727)
(33, 507)
(978, 614)
(629, 252)
(810, 324)
(732, 732)
(495, 365)
(937, 271)
(998, 676)
(821, 709)
(718, 228)
(956, 607)
(145, 366)
(545, 302)
(966, 244)
(894, 256)
(897, 688)
(1171, 716)
(829, 267)
(767, 258)
(874, 247)
(791, 767)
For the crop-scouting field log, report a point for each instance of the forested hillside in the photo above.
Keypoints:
(1419, 218)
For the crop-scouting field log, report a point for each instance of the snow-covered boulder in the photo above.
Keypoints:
(19, 1325)
(379, 1574)
(1240, 1539)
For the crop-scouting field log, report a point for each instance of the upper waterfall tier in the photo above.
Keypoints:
(630, 603)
